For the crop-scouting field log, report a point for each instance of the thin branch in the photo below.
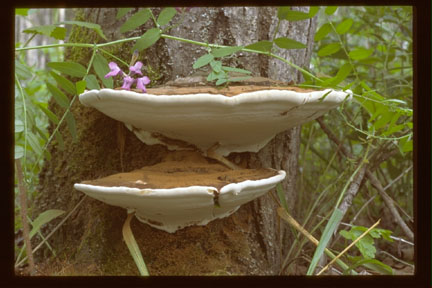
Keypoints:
(353, 189)
(389, 202)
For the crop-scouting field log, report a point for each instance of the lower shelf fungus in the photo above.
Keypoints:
(175, 194)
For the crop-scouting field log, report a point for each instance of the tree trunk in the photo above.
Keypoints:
(252, 241)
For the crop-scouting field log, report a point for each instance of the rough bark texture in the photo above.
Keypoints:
(251, 241)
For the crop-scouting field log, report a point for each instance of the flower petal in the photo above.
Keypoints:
(115, 70)
(136, 68)
(141, 82)
(127, 82)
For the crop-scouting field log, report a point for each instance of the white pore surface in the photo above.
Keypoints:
(173, 209)
(245, 122)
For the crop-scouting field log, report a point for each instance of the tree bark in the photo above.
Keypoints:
(252, 241)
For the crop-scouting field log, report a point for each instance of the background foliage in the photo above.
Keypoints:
(365, 49)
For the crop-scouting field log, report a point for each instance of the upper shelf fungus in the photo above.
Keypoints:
(238, 118)
(175, 194)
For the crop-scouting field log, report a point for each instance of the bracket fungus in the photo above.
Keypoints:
(238, 118)
(175, 194)
(212, 123)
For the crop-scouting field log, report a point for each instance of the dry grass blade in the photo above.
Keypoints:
(133, 246)
(288, 218)
(348, 247)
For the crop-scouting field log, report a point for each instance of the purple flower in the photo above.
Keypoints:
(141, 82)
(127, 82)
(115, 70)
(136, 69)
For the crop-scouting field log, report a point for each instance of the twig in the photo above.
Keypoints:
(398, 177)
(23, 201)
(348, 247)
(372, 179)
(389, 202)
(397, 259)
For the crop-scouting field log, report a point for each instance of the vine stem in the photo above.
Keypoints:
(23, 201)
(166, 36)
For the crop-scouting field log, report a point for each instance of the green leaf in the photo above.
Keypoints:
(216, 66)
(287, 43)
(366, 244)
(343, 72)
(221, 81)
(136, 20)
(330, 10)
(405, 144)
(331, 226)
(22, 71)
(60, 141)
(372, 264)
(48, 112)
(298, 15)
(93, 26)
(148, 39)
(64, 83)
(264, 46)
(213, 76)
(58, 95)
(44, 218)
(19, 152)
(282, 12)
(101, 68)
(166, 15)
(70, 68)
(221, 52)
(322, 32)
(344, 26)
(80, 86)
(22, 11)
(238, 79)
(122, 12)
(48, 30)
(360, 53)
(237, 70)
(377, 266)
(19, 126)
(70, 120)
(329, 49)
(91, 82)
(34, 143)
(41, 133)
(59, 33)
(202, 61)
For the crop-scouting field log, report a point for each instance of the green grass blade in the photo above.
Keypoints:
(332, 224)
(133, 247)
